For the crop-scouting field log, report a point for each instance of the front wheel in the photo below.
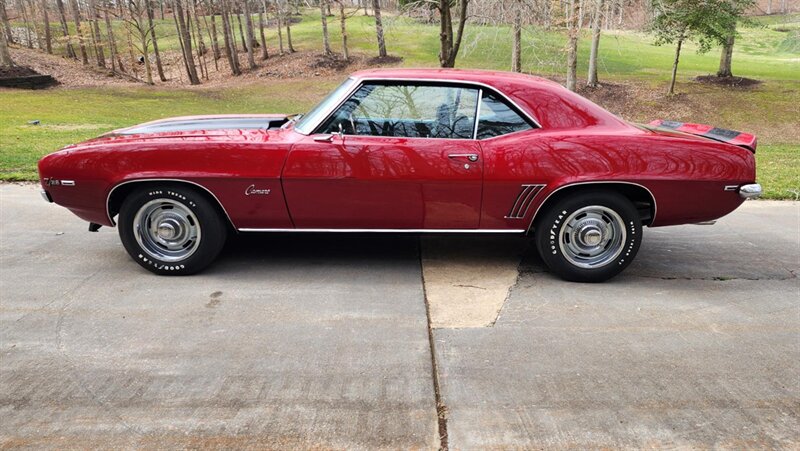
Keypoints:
(590, 237)
(171, 230)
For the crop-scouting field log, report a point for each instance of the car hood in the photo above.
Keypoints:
(205, 123)
(226, 126)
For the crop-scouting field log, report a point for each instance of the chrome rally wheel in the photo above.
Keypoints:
(589, 236)
(592, 237)
(171, 229)
(167, 230)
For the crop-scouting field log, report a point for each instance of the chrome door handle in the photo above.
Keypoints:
(469, 156)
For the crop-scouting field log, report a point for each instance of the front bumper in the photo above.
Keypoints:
(752, 191)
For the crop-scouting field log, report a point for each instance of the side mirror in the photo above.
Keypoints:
(341, 131)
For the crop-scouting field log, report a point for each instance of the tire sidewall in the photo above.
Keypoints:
(213, 229)
(548, 230)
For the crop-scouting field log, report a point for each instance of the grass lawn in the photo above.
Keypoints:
(768, 51)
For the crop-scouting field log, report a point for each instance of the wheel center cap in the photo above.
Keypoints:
(592, 237)
(166, 231)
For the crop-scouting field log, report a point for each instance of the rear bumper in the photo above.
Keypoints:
(752, 191)
(46, 196)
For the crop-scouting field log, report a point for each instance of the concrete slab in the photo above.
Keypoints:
(468, 278)
(287, 342)
(696, 345)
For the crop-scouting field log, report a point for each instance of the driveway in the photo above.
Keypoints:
(322, 341)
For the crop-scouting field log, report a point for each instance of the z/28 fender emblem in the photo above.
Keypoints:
(253, 191)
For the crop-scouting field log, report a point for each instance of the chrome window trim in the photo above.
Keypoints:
(108, 197)
(477, 115)
(387, 230)
(602, 182)
(476, 84)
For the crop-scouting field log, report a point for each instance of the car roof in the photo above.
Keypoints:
(466, 75)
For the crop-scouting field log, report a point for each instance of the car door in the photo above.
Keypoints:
(394, 155)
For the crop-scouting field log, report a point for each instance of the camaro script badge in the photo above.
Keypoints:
(253, 191)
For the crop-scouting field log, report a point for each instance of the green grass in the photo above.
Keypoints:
(768, 50)
(779, 171)
(72, 115)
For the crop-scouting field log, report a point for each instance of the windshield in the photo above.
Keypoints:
(313, 117)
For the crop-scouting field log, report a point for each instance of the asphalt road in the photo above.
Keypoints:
(323, 342)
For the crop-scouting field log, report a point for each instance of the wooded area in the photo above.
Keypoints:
(123, 36)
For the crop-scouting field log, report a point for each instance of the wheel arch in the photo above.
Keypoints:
(123, 189)
(641, 197)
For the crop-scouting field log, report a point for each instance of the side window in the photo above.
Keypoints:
(498, 118)
(409, 111)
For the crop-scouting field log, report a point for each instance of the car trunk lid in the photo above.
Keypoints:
(734, 137)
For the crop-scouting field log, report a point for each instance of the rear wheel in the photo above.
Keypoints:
(171, 230)
(590, 237)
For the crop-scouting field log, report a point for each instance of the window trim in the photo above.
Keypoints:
(432, 81)
(513, 107)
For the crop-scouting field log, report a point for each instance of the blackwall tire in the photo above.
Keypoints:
(589, 237)
(171, 229)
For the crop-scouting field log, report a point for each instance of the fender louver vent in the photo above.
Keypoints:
(524, 200)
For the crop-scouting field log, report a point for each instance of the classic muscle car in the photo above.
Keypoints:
(408, 150)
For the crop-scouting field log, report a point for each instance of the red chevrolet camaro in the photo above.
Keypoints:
(408, 150)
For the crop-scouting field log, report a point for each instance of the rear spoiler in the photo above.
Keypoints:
(740, 139)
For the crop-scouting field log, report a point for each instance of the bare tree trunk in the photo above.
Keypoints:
(159, 66)
(769, 7)
(516, 49)
(241, 31)
(326, 42)
(343, 23)
(112, 44)
(572, 47)
(5, 55)
(675, 68)
(261, 26)
(248, 23)
(62, 17)
(6, 24)
(288, 22)
(448, 43)
(726, 58)
(28, 36)
(593, 54)
(194, 33)
(278, 15)
(201, 44)
(230, 46)
(98, 49)
(48, 39)
(212, 31)
(76, 17)
(186, 44)
(376, 8)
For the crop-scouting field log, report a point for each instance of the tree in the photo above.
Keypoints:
(5, 55)
(707, 22)
(76, 16)
(572, 47)
(726, 58)
(593, 53)
(137, 24)
(62, 17)
(343, 23)
(5, 22)
(376, 8)
(449, 43)
(151, 26)
(516, 31)
(96, 37)
(261, 26)
(287, 16)
(47, 37)
(185, 41)
(230, 44)
(326, 41)
(248, 20)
